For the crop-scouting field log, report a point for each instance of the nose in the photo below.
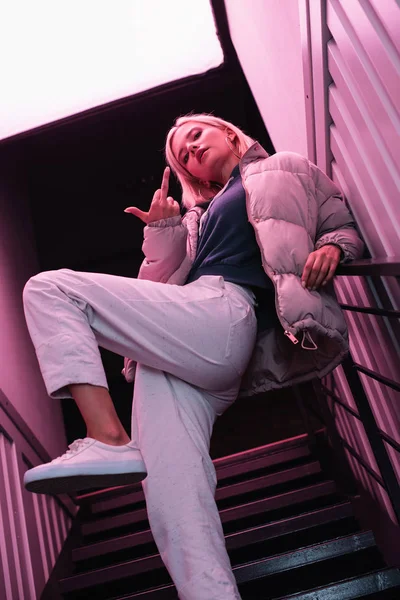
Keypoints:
(192, 147)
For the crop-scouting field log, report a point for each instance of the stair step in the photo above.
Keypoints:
(244, 573)
(292, 525)
(281, 446)
(234, 541)
(268, 481)
(164, 592)
(356, 587)
(304, 556)
(229, 514)
(229, 491)
(228, 466)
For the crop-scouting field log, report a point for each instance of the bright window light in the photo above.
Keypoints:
(61, 57)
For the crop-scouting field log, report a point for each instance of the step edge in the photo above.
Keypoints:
(298, 596)
(367, 536)
(267, 449)
(331, 587)
(365, 540)
(345, 506)
(314, 466)
(272, 448)
(88, 530)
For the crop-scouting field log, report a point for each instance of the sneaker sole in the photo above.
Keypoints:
(76, 483)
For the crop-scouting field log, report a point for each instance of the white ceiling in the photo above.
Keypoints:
(61, 57)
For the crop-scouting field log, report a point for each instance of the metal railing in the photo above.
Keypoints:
(388, 267)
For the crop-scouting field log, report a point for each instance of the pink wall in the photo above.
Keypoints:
(20, 378)
(266, 36)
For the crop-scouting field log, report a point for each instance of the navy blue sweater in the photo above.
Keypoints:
(227, 244)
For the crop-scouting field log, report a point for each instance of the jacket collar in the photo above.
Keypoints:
(256, 151)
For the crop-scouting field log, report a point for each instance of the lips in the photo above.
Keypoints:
(199, 154)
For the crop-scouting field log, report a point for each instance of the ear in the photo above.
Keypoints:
(231, 134)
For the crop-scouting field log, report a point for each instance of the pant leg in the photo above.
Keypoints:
(192, 344)
(203, 332)
(172, 423)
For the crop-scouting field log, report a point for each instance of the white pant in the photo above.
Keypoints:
(192, 344)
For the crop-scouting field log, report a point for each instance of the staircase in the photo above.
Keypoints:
(288, 530)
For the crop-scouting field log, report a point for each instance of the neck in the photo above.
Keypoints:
(227, 168)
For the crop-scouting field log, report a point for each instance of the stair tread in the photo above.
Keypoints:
(245, 572)
(233, 540)
(383, 579)
(230, 490)
(246, 475)
(228, 514)
(351, 588)
(276, 449)
(305, 556)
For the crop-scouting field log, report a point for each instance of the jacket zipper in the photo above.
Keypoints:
(291, 337)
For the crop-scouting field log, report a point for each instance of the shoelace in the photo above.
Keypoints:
(74, 447)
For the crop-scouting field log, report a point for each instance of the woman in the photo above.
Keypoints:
(255, 227)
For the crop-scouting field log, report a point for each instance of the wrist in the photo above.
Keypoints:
(338, 248)
(166, 222)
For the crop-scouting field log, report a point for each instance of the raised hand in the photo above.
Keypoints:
(161, 207)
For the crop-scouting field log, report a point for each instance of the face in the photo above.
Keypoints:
(202, 150)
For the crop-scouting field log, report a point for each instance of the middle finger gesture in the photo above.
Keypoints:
(162, 206)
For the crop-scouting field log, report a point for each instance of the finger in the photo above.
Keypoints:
(156, 197)
(164, 185)
(176, 208)
(322, 274)
(307, 270)
(137, 212)
(314, 272)
(170, 200)
(330, 274)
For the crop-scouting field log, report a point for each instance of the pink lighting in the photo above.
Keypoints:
(61, 58)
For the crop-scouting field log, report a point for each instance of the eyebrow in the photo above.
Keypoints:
(186, 137)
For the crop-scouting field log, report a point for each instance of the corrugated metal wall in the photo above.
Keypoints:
(33, 527)
(362, 134)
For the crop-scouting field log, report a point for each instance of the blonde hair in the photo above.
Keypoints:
(193, 192)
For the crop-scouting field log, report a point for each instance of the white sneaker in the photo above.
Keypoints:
(87, 464)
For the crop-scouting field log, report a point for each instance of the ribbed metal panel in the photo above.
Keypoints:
(17, 570)
(49, 527)
(51, 522)
(363, 58)
(33, 527)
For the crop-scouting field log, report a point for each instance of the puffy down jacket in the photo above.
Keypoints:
(294, 209)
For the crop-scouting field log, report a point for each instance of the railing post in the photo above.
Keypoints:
(344, 473)
(372, 431)
(341, 472)
(304, 415)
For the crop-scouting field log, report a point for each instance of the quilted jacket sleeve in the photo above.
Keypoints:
(335, 224)
(164, 247)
